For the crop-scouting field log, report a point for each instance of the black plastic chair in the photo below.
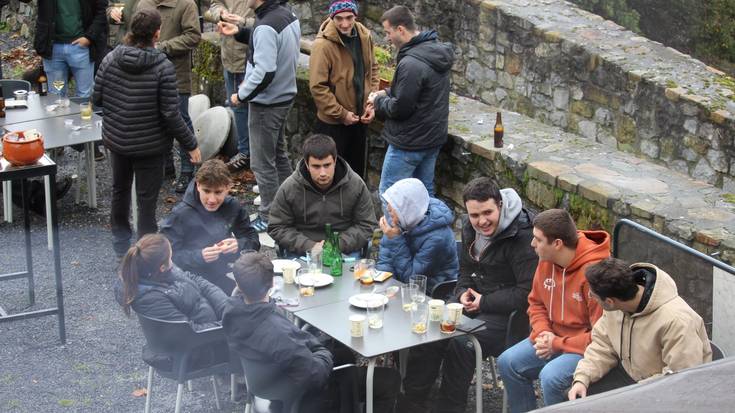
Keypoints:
(11, 85)
(177, 341)
(717, 353)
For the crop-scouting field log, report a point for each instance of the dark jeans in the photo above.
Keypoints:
(187, 168)
(458, 355)
(232, 81)
(351, 143)
(615, 378)
(149, 171)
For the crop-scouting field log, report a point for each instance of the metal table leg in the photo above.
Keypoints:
(57, 261)
(91, 175)
(369, 385)
(49, 227)
(8, 201)
(478, 373)
(25, 191)
(134, 205)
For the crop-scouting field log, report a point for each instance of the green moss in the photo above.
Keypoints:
(671, 84)
(461, 128)
(588, 214)
(384, 59)
(207, 62)
(729, 198)
(66, 402)
(453, 99)
(558, 196)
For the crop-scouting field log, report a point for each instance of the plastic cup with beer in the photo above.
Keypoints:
(85, 110)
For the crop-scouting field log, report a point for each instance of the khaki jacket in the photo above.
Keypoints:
(180, 34)
(234, 53)
(118, 31)
(667, 336)
(331, 72)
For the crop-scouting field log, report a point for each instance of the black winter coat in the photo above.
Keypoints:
(94, 24)
(191, 228)
(416, 108)
(178, 296)
(137, 91)
(504, 273)
(259, 332)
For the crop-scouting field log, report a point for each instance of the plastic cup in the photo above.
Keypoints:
(306, 285)
(375, 311)
(85, 110)
(408, 291)
(289, 272)
(314, 263)
(420, 282)
(454, 312)
(420, 318)
(449, 321)
(436, 310)
(364, 268)
(357, 325)
(20, 94)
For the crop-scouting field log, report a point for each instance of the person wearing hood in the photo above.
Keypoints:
(417, 235)
(646, 329)
(561, 311)
(416, 106)
(342, 73)
(209, 228)
(322, 190)
(136, 88)
(496, 269)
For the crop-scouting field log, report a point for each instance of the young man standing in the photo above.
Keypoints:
(322, 190)
(269, 89)
(342, 73)
(646, 330)
(496, 269)
(561, 312)
(416, 106)
(209, 228)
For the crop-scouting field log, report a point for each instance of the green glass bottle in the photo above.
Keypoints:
(328, 248)
(336, 268)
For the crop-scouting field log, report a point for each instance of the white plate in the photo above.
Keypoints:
(361, 300)
(320, 280)
(278, 264)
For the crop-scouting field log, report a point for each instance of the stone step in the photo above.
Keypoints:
(597, 183)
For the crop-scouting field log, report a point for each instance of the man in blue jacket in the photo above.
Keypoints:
(416, 106)
(417, 235)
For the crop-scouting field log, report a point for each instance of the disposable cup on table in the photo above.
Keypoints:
(420, 318)
(408, 292)
(357, 325)
(454, 312)
(420, 281)
(306, 284)
(436, 310)
(289, 271)
(85, 110)
(375, 311)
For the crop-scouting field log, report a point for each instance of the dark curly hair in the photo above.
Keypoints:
(612, 278)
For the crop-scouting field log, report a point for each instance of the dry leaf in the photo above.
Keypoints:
(140, 392)
(75, 263)
(170, 200)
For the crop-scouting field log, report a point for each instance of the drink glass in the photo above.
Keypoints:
(289, 272)
(306, 285)
(314, 264)
(357, 325)
(449, 321)
(420, 318)
(436, 310)
(365, 267)
(375, 311)
(420, 282)
(408, 291)
(85, 110)
(58, 84)
(454, 312)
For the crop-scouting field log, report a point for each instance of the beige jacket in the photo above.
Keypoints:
(234, 53)
(331, 71)
(180, 34)
(118, 31)
(667, 336)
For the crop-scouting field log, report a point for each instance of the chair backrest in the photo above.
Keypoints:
(518, 328)
(266, 382)
(11, 85)
(171, 336)
(717, 353)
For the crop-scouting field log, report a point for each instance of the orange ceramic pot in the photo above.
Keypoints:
(20, 150)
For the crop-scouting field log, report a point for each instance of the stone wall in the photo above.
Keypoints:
(20, 18)
(566, 67)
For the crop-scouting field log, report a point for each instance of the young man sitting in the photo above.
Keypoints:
(560, 310)
(322, 190)
(208, 228)
(645, 331)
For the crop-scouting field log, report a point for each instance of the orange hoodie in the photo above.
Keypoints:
(560, 299)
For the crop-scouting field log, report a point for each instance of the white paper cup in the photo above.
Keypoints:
(357, 325)
(455, 312)
(436, 310)
(289, 272)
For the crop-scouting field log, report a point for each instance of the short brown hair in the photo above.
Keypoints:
(253, 273)
(612, 278)
(557, 224)
(143, 26)
(213, 173)
(319, 146)
(399, 16)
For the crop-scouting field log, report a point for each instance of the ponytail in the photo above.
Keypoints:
(144, 259)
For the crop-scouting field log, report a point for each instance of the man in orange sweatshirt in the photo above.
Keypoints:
(561, 312)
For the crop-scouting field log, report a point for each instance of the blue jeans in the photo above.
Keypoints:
(519, 366)
(187, 168)
(232, 81)
(399, 164)
(65, 58)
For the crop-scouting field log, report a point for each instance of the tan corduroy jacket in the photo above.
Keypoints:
(180, 34)
(667, 336)
(331, 71)
(234, 53)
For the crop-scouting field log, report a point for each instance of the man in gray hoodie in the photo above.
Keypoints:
(496, 268)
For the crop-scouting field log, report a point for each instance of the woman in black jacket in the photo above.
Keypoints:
(136, 88)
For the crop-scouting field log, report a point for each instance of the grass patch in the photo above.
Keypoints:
(729, 198)
(66, 403)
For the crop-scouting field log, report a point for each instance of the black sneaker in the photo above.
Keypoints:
(238, 163)
(182, 183)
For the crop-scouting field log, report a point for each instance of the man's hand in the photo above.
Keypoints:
(210, 254)
(231, 18)
(227, 29)
(195, 155)
(374, 95)
(228, 246)
(368, 115)
(235, 100)
(317, 249)
(543, 345)
(577, 391)
(82, 42)
(465, 298)
(116, 15)
(473, 304)
(350, 119)
(389, 231)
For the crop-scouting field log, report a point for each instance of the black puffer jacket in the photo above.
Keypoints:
(94, 24)
(178, 296)
(504, 273)
(137, 91)
(416, 108)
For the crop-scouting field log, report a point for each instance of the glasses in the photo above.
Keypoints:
(306, 284)
(313, 263)
(419, 318)
(375, 311)
(85, 110)
(365, 271)
(420, 282)
(408, 291)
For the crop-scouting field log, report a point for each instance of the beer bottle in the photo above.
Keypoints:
(498, 132)
(42, 83)
(336, 268)
(328, 248)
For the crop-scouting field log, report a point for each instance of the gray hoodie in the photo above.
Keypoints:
(410, 200)
(512, 206)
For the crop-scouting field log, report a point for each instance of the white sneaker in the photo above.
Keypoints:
(256, 189)
(256, 201)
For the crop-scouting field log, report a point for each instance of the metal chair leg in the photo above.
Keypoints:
(149, 390)
(493, 371)
(232, 388)
(505, 401)
(216, 393)
(188, 384)
(179, 393)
